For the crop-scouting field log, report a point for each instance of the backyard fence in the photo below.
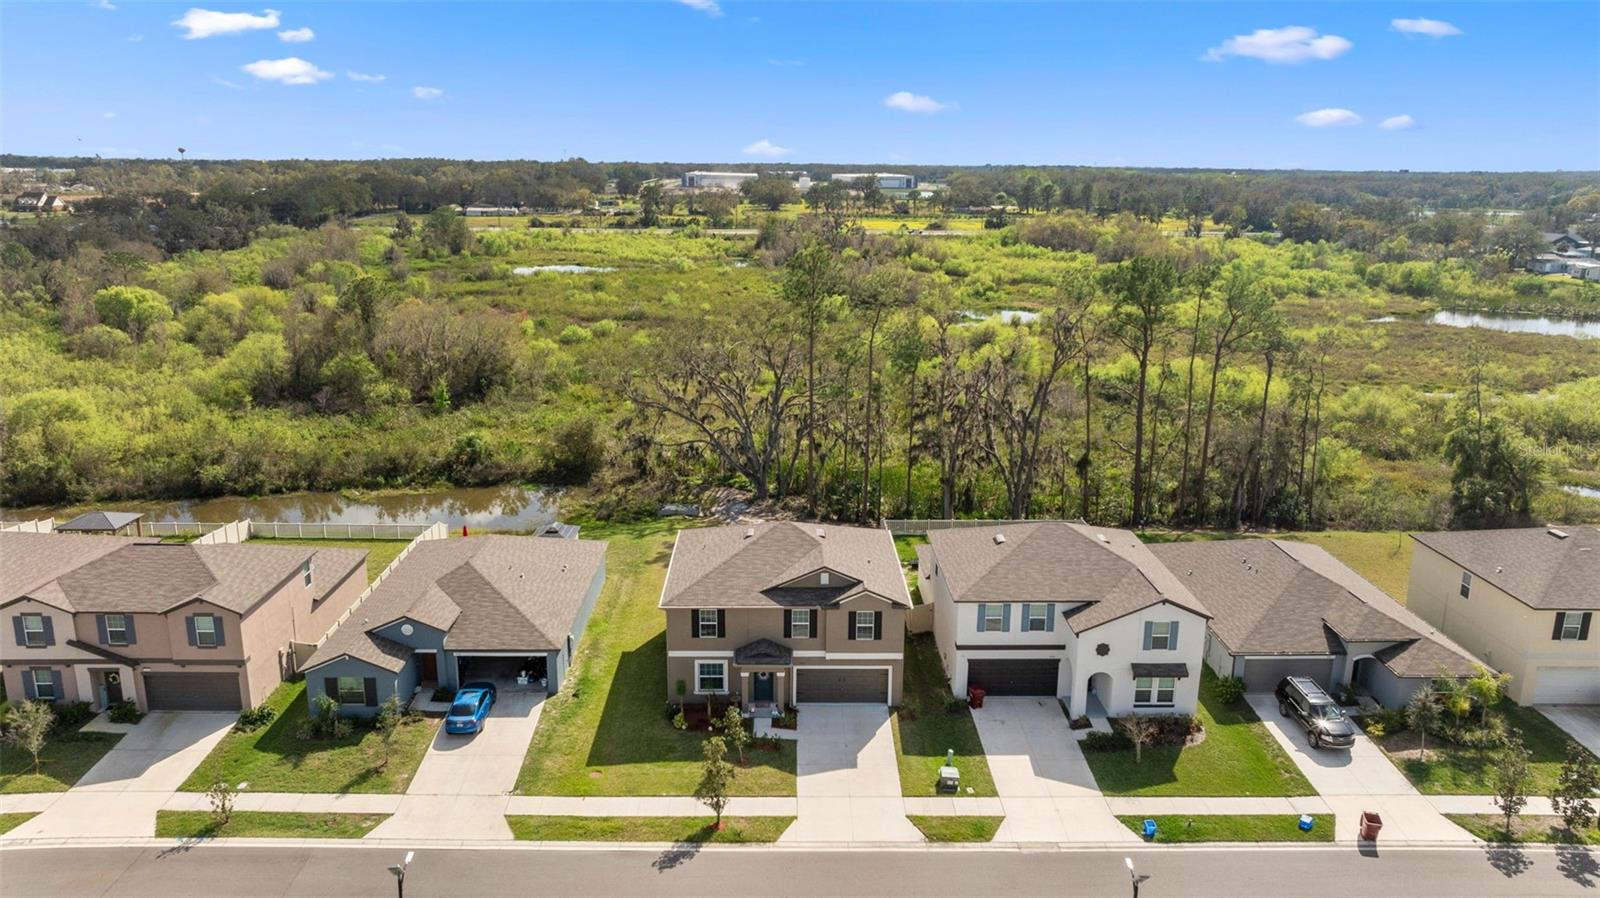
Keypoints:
(918, 526)
(436, 530)
(177, 528)
(236, 532)
(278, 530)
(43, 525)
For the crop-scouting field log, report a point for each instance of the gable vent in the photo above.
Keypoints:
(999, 538)
(1559, 534)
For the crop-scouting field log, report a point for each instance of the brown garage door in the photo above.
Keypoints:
(192, 691)
(1264, 674)
(842, 685)
(1014, 676)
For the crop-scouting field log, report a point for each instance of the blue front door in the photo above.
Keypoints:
(763, 690)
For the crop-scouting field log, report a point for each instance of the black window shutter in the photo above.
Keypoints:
(100, 625)
(370, 685)
(788, 624)
(1583, 628)
(877, 625)
(694, 623)
(49, 630)
(16, 623)
(850, 625)
(188, 623)
(722, 623)
(216, 622)
(330, 685)
(127, 622)
(1561, 617)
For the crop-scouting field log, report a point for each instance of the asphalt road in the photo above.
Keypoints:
(339, 871)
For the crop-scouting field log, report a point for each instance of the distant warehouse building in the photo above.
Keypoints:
(886, 180)
(716, 180)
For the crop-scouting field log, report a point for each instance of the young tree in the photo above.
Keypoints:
(650, 198)
(1487, 688)
(1575, 787)
(28, 725)
(733, 730)
(222, 795)
(446, 230)
(1511, 780)
(1422, 714)
(1141, 731)
(716, 778)
(387, 724)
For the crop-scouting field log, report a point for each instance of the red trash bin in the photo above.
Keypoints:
(1370, 825)
(975, 696)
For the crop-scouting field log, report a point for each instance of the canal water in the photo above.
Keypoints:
(1520, 324)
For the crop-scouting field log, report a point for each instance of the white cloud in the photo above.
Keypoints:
(427, 93)
(296, 35)
(907, 101)
(1328, 118)
(709, 7)
(766, 148)
(1398, 123)
(210, 23)
(364, 77)
(1293, 43)
(108, 115)
(105, 5)
(1425, 27)
(292, 70)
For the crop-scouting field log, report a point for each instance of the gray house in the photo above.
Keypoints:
(506, 609)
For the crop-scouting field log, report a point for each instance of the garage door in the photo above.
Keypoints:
(1264, 674)
(1566, 686)
(192, 691)
(1014, 676)
(840, 685)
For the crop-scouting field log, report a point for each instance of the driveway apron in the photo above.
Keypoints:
(1582, 722)
(848, 781)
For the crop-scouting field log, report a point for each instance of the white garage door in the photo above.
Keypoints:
(1567, 686)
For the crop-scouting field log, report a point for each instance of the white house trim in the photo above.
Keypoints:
(694, 654)
(794, 693)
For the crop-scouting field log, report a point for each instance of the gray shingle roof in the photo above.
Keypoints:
(29, 562)
(100, 521)
(745, 567)
(1530, 564)
(1278, 597)
(1058, 561)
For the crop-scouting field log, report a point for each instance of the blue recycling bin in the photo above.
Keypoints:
(1149, 828)
(1306, 822)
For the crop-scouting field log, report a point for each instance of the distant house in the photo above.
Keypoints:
(1567, 242)
(1584, 269)
(42, 203)
(716, 180)
(1548, 263)
(490, 210)
(886, 180)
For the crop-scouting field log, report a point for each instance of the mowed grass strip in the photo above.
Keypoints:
(1526, 829)
(926, 724)
(67, 756)
(265, 825)
(607, 731)
(1238, 757)
(647, 829)
(9, 822)
(271, 759)
(956, 828)
(1178, 828)
(1457, 770)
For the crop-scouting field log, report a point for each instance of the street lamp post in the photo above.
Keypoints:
(399, 871)
(1134, 876)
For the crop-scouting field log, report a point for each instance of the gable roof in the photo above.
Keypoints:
(1066, 562)
(745, 567)
(30, 562)
(100, 521)
(487, 593)
(1278, 597)
(1531, 564)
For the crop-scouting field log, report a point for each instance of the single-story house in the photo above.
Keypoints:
(507, 609)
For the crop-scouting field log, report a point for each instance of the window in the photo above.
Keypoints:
(1154, 691)
(305, 571)
(707, 618)
(117, 629)
(1571, 624)
(711, 676)
(800, 623)
(205, 631)
(863, 622)
(33, 630)
(1466, 584)
(1161, 635)
(352, 691)
(1035, 618)
(44, 684)
(994, 617)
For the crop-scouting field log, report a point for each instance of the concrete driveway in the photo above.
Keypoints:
(1582, 722)
(1045, 785)
(848, 780)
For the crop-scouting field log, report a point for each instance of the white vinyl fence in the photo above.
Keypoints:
(909, 526)
(278, 530)
(42, 525)
(236, 532)
(436, 530)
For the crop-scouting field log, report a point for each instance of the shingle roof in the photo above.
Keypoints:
(31, 562)
(488, 593)
(745, 567)
(1062, 562)
(1278, 597)
(1530, 564)
(100, 521)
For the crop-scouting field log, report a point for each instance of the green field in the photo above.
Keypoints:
(65, 759)
(688, 830)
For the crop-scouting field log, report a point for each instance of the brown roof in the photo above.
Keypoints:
(746, 567)
(1058, 561)
(488, 593)
(1278, 597)
(29, 562)
(1531, 564)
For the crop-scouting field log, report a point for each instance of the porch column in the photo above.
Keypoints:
(86, 690)
(744, 688)
(780, 689)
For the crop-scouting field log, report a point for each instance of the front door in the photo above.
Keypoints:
(428, 666)
(763, 690)
(113, 688)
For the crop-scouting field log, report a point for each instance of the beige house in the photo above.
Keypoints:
(1522, 599)
(785, 613)
(103, 619)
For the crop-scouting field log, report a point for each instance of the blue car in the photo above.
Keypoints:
(470, 707)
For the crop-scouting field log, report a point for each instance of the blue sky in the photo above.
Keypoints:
(1257, 85)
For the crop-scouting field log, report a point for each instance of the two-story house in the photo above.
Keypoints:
(1523, 599)
(1065, 609)
(104, 619)
(779, 613)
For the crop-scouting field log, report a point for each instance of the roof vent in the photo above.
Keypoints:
(1499, 569)
(822, 534)
(999, 538)
(1103, 538)
(1559, 534)
(749, 532)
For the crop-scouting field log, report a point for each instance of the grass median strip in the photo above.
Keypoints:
(265, 825)
(647, 829)
(1460, 770)
(956, 829)
(9, 822)
(67, 756)
(1526, 829)
(928, 722)
(1176, 828)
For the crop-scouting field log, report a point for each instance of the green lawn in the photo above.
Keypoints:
(9, 822)
(1528, 828)
(647, 829)
(271, 759)
(1238, 757)
(265, 825)
(607, 731)
(1173, 828)
(1454, 770)
(924, 729)
(379, 551)
(1381, 556)
(956, 829)
(65, 759)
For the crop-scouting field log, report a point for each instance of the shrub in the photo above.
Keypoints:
(1098, 741)
(575, 333)
(252, 719)
(325, 723)
(1376, 729)
(71, 715)
(1229, 690)
(1490, 733)
(125, 712)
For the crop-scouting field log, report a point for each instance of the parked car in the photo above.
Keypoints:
(469, 708)
(1325, 724)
